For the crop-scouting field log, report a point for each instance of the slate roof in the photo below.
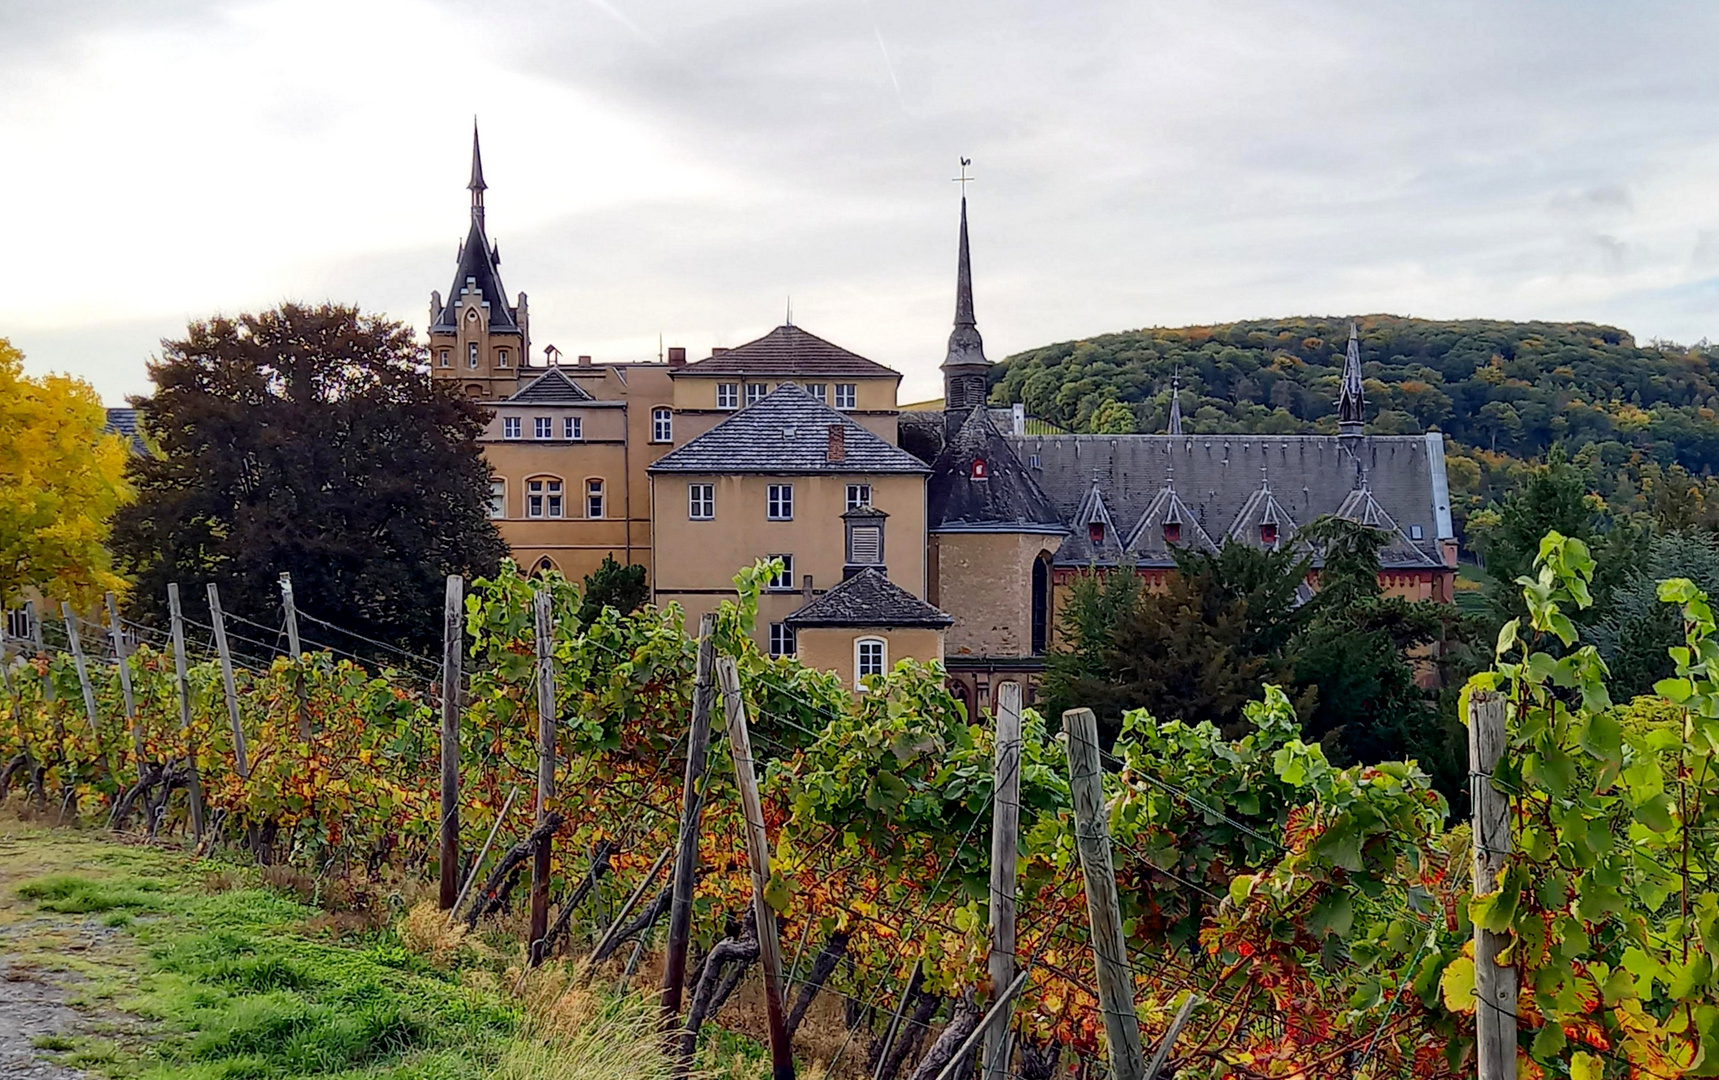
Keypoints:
(1007, 500)
(1216, 476)
(124, 422)
(481, 264)
(553, 387)
(1260, 510)
(787, 432)
(1146, 544)
(1080, 549)
(791, 352)
(868, 599)
(1360, 506)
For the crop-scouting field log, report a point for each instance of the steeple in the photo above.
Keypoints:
(964, 367)
(1175, 427)
(477, 186)
(1350, 405)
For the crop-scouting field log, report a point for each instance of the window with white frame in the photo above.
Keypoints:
(510, 427)
(785, 580)
(662, 425)
(779, 502)
(847, 395)
(870, 656)
(593, 498)
(445, 358)
(755, 392)
(819, 390)
(543, 498)
(727, 395)
(498, 498)
(573, 427)
(701, 502)
(1415, 532)
(543, 427)
(781, 639)
(859, 495)
(472, 356)
(501, 358)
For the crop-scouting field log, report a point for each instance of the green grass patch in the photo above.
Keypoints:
(70, 894)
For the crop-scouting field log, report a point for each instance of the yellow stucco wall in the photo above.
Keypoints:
(874, 409)
(832, 648)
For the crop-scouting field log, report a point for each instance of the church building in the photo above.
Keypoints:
(949, 535)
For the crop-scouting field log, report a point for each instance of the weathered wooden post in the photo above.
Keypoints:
(220, 626)
(34, 624)
(758, 855)
(1109, 950)
(691, 816)
(1156, 1065)
(453, 653)
(294, 650)
(77, 648)
(1005, 827)
(545, 772)
(1494, 983)
(177, 618)
(122, 658)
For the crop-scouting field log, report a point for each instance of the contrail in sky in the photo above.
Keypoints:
(889, 67)
(620, 16)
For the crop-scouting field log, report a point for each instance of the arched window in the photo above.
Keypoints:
(472, 355)
(545, 565)
(543, 497)
(871, 656)
(594, 498)
(662, 425)
(1041, 605)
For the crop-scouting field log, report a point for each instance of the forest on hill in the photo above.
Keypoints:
(1632, 417)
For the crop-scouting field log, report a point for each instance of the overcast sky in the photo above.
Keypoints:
(681, 167)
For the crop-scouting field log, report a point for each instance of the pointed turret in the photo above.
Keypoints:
(965, 368)
(1350, 404)
(1175, 426)
(477, 186)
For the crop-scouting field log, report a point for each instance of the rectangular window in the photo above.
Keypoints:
(700, 502)
(1414, 532)
(784, 581)
(781, 639)
(727, 395)
(444, 359)
(847, 395)
(593, 498)
(498, 498)
(542, 427)
(510, 427)
(572, 427)
(819, 390)
(662, 425)
(472, 356)
(779, 502)
(754, 392)
(868, 658)
(501, 358)
(543, 498)
(859, 495)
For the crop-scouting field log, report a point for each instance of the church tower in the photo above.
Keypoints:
(1351, 405)
(965, 368)
(477, 340)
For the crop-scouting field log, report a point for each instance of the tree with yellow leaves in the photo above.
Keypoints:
(61, 479)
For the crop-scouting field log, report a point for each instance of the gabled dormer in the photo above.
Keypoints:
(1262, 520)
(1167, 523)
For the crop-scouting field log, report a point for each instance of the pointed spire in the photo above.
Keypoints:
(1350, 404)
(965, 344)
(1175, 427)
(477, 186)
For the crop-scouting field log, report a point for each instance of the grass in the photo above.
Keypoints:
(195, 971)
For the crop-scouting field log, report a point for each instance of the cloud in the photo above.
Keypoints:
(678, 166)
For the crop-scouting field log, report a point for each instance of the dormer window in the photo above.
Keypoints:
(1268, 533)
(1172, 532)
(980, 470)
(1095, 531)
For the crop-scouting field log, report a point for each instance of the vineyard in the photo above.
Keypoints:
(1180, 904)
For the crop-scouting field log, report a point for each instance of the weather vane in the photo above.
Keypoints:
(963, 178)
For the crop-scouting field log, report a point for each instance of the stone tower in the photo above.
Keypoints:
(477, 340)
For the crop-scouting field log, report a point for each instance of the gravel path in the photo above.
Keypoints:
(31, 1006)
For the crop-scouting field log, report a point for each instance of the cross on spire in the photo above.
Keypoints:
(963, 179)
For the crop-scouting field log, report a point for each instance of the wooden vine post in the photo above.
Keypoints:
(77, 648)
(294, 650)
(33, 623)
(1109, 950)
(220, 626)
(545, 772)
(177, 619)
(122, 659)
(1494, 982)
(453, 653)
(1005, 832)
(758, 855)
(691, 817)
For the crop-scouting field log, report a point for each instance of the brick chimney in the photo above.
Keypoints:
(584, 360)
(677, 356)
(838, 449)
